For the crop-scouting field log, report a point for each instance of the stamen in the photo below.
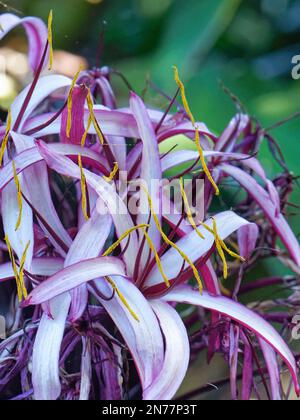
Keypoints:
(50, 39)
(157, 259)
(70, 103)
(183, 95)
(197, 134)
(14, 266)
(122, 298)
(94, 120)
(172, 244)
(113, 173)
(83, 139)
(188, 209)
(83, 189)
(6, 137)
(19, 196)
(21, 271)
(122, 237)
(203, 162)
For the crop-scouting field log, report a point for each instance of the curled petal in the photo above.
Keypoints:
(36, 31)
(247, 239)
(195, 247)
(44, 88)
(273, 369)
(73, 276)
(151, 172)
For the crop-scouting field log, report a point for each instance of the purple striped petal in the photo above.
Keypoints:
(273, 369)
(150, 172)
(194, 246)
(32, 155)
(39, 195)
(247, 239)
(263, 199)
(121, 218)
(46, 349)
(73, 276)
(143, 337)
(42, 266)
(36, 31)
(10, 214)
(88, 243)
(79, 95)
(229, 136)
(86, 371)
(44, 88)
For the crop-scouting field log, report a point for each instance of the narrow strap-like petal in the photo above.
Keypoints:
(177, 354)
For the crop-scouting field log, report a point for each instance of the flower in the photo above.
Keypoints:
(89, 261)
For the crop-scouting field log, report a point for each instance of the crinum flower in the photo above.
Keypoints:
(93, 267)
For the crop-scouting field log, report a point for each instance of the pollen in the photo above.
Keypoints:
(50, 39)
(19, 196)
(188, 210)
(113, 173)
(221, 247)
(70, 103)
(5, 138)
(197, 134)
(122, 237)
(83, 189)
(94, 120)
(21, 289)
(83, 139)
(122, 298)
(157, 259)
(21, 271)
(172, 244)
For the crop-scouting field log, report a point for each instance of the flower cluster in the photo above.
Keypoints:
(99, 252)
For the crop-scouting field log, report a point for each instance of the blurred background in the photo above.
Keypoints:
(246, 45)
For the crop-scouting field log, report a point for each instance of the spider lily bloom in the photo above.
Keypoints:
(72, 252)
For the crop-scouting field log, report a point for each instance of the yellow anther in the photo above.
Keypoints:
(19, 196)
(157, 259)
(83, 189)
(172, 244)
(21, 290)
(21, 271)
(70, 102)
(83, 139)
(50, 39)
(6, 137)
(122, 237)
(113, 173)
(188, 209)
(122, 298)
(94, 120)
(197, 134)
